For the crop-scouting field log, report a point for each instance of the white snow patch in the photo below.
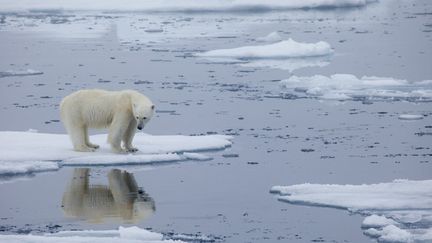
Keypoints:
(410, 117)
(178, 5)
(123, 234)
(390, 233)
(19, 73)
(17, 148)
(347, 86)
(377, 221)
(26, 167)
(283, 49)
(272, 37)
(399, 211)
(286, 55)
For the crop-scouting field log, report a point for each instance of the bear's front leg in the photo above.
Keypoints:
(129, 135)
(117, 131)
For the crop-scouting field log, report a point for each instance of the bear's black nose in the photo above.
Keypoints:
(140, 128)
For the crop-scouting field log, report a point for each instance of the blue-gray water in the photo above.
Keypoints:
(278, 141)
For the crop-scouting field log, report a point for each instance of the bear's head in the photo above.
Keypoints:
(142, 112)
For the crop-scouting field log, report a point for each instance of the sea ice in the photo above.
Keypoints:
(26, 167)
(399, 211)
(123, 234)
(283, 49)
(410, 117)
(347, 86)
(286, 55)
(374, 221)
(20, 147)
(272, 37)
(178, 5)
(17, 73)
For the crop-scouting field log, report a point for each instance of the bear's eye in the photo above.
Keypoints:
(137, 117)
(144, 118)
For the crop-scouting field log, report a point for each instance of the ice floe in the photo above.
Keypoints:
(347, 86)
(123, 234)
(179, 5)
(18, 148)
(26, 167)
(27, 72)
(282, 49)
(272, 37)
(287, 55)
(399, 211)
(410, 117)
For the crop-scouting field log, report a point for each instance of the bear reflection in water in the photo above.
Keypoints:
(120, 199)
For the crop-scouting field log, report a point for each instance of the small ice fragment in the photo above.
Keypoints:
(375, 221)
(17, 73)
(272, 37)
(410, 117)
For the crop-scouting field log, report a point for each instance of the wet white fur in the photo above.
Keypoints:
(120, 111)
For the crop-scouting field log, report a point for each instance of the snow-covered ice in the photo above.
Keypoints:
(179, 5)
(399, 211)
(18, 148)
(348, 86)
(26, 167)
(272, 37)
(282, 49)
(286, 55)
(18, 73)
(123, 234)
(410, 117)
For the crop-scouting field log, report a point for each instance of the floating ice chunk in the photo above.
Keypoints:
(347, 86)
(377, 221)
(399, 194)
(272, 37)
(405, 206)
(390, 233)
(178, 5)
(123, 234)
(286, 55)
(19, 147)
(283, 49)
(17, 73)
(410, 117)
(26, 167)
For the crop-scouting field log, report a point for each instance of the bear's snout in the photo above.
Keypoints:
(140, 127)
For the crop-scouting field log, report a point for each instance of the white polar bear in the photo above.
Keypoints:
(122, 111)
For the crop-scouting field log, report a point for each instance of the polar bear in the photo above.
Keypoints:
(120, 111)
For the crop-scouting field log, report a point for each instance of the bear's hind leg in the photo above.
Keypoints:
(87, 140)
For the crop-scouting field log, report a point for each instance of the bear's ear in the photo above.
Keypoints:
(152, 107)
